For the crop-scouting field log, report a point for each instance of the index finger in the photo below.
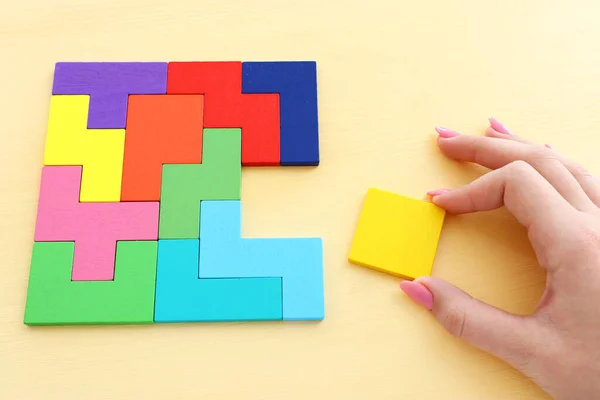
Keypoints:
(533, 201)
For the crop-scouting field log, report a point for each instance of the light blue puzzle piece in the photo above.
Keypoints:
(224, 219)
(298, 261)
(182, 297)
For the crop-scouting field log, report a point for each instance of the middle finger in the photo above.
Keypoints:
(495, 153)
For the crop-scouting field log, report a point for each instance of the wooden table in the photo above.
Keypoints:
(388, 71)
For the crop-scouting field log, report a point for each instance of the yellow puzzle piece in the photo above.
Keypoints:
(397, 234)
(99, 151)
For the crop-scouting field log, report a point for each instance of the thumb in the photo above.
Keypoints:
(505, 335)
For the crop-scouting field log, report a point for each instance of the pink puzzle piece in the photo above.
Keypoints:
(94, 227)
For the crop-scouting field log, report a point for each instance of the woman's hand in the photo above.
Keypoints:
(558, 202)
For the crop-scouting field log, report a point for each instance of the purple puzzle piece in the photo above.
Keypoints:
(109, 84)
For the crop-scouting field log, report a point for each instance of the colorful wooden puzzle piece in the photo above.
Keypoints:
(94, 227)
(296, 84)
(134, 152)
(109, 84)
(54, 299)
(99, 151)
(185, 185)
(297, 261)
(226, 107)
(161, 130)
(182, 297)
(397, 234)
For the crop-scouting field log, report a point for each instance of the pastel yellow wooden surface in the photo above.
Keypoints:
(397, 234)
(99, 151)
(389, 71)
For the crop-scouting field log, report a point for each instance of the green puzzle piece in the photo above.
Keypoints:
(53, 299)
(185, 185)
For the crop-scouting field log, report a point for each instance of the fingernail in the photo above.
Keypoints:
(498, 126)
(418, 293)
(548, 146)
(437, 192)
(446, 133)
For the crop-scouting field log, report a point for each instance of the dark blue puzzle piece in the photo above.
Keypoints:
(296, 83)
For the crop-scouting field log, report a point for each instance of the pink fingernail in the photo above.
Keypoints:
(548, 146)
(446, 133)
(437, 192)
(498, 126)
(418, 293)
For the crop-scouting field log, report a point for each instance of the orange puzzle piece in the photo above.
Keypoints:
(161, 129)
(226, 107)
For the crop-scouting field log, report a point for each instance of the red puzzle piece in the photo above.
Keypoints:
(220, 82)
(226, 107)
(260, 129)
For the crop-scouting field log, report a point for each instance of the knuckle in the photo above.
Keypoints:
(578, 171)
(455, 321)
(520, 167)
(542, 152)
(542, 155)
(479, 150)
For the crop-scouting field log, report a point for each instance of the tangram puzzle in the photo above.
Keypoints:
(139, 208)
(397, 234)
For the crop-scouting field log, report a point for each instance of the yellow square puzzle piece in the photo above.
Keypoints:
(397, 234)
